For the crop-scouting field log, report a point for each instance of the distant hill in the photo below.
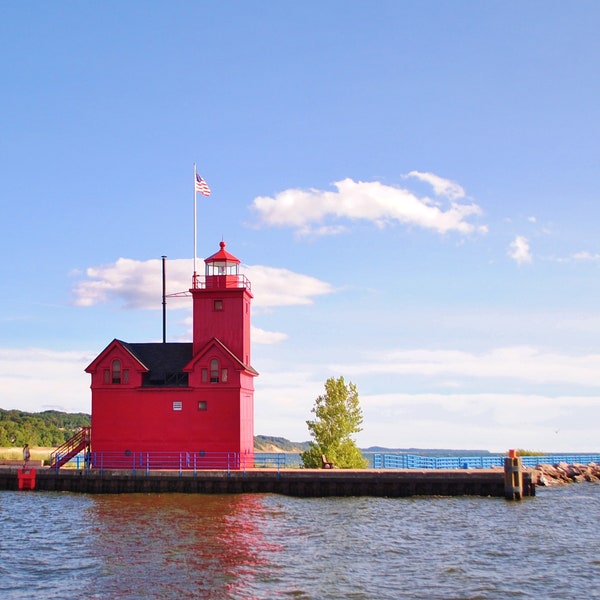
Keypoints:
(266, 443)
(48, 428)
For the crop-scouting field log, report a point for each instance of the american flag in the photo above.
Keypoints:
(202, 186)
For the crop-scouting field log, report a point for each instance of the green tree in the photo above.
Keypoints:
(338, 417)
(49, 428)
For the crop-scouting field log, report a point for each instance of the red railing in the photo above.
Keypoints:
(78, 443)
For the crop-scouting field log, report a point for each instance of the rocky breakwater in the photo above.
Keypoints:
(563, 473)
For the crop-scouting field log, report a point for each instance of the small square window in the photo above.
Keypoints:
(218, 305)
(177, 405)
(202, 405)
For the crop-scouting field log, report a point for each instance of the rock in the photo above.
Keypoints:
(563, 474)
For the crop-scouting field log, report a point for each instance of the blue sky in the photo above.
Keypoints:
(410, 186)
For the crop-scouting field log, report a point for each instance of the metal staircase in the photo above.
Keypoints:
(72, 447)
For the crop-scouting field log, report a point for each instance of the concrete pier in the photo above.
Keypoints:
(291, 482)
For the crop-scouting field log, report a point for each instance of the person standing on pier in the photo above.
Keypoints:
(26, 455)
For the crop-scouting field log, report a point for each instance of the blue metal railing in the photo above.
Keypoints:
(270, 461)
(227, 461)
(181, 461)
(415, 461)
(168, 461)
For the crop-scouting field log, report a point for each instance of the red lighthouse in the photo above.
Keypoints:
(170, 405)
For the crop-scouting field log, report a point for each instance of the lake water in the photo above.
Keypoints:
(63, 546)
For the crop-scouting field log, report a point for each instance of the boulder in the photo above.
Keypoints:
(563, 473)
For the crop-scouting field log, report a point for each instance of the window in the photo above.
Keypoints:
(224, 375)
(218, 305)
(116, 371)
(177, 405)
(202, 405)
(125, 375)
(204, 375)
(214, 371)
(106, 375)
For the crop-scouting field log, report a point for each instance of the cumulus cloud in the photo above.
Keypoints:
(523, 363)
(136, 284)
(273, 286)
(321, 212)
(519, 250)
(585, 256)
(37, 379)
(441, 187)
(260, 336)
(489, 421)
(494, 417)
(133, 284)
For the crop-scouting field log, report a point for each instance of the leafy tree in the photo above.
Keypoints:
(338, 417)
(48, 428)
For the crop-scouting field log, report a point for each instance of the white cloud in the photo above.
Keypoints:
(134, 284)
(487, 421)
(441, 187)
(495, 417)
(586, 256)
(519, 250)
(306, 210)
(137, 284)
(273, 286)
(521, 363)
(260, 336)
(37, 379)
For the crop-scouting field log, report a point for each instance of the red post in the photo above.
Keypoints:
(26, 479)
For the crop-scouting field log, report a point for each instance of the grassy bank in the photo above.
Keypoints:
(37, 453)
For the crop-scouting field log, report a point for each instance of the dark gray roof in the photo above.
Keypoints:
(161, 359)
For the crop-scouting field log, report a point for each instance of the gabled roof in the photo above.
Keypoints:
(156, 358)
(222, 347)
(161, 358)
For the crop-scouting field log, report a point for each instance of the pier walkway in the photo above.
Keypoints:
(291, 482)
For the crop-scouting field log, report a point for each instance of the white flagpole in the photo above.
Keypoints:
(195, 278)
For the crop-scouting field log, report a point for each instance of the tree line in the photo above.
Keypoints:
(48, 428)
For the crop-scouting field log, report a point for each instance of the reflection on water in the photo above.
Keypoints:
(176, 546)
(183, 546)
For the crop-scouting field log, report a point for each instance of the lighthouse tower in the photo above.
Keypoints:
(174, 405)
(220, 369)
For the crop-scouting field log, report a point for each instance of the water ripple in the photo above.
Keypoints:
(176, 546)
